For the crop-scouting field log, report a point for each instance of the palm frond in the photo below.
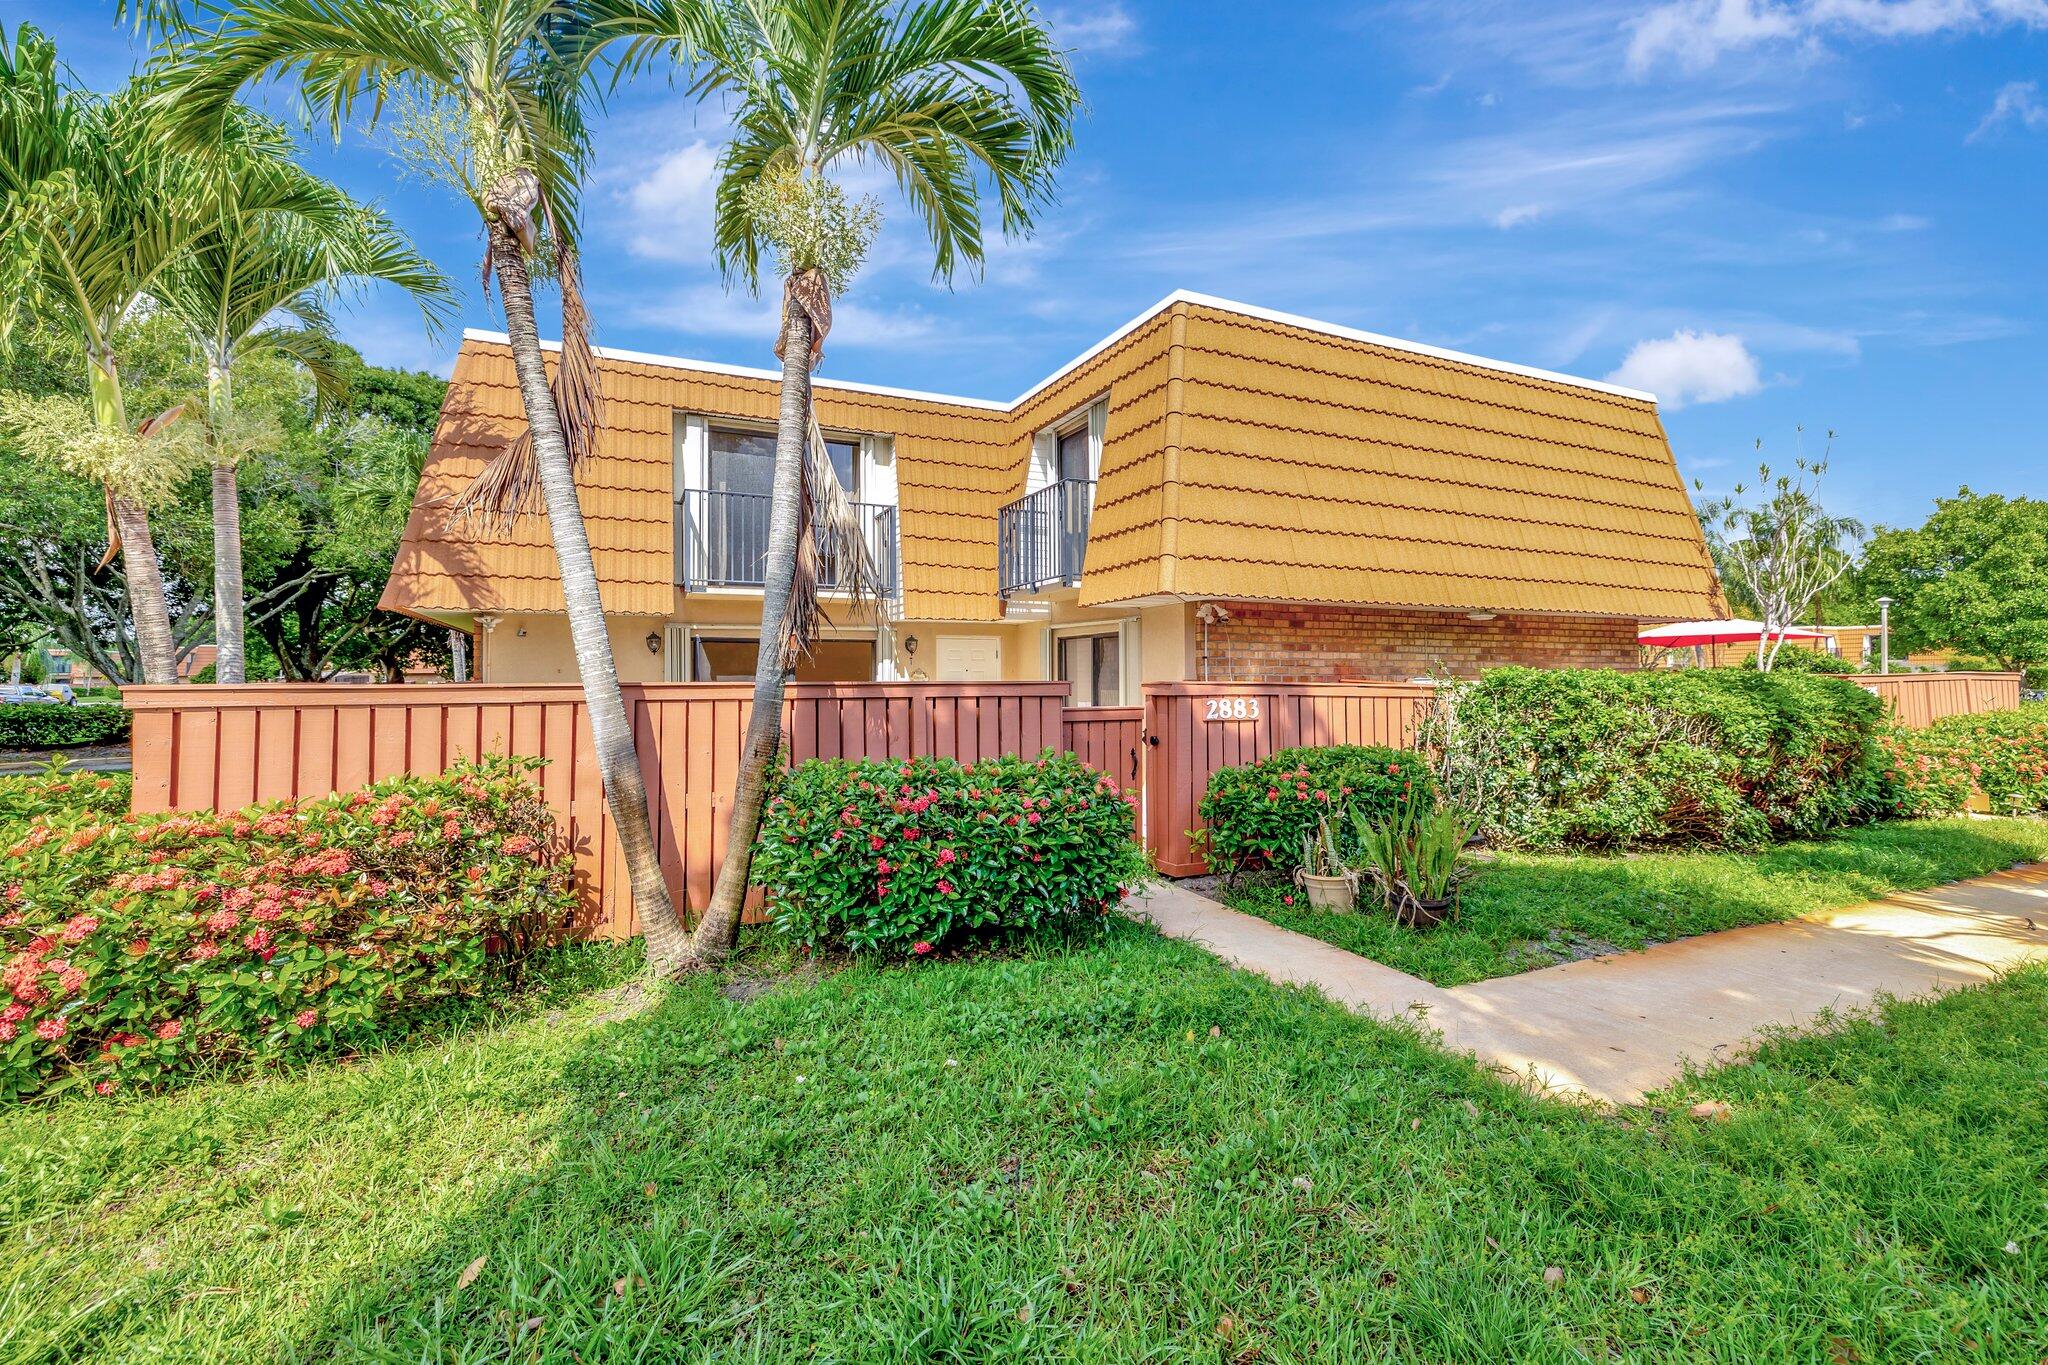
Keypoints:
(829, 536)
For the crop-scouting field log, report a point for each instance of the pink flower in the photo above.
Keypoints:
(882, 866)
(920, 947)
(9, 1030)
(875, 842)
(946, 855)
(169, 1029)
(518, 843)
(104, 1088)
(306, 1018)
(204, 949)
(945, 887)
(1272, 793)
(223, 922)
(71, 981)
(1287, 900)
(1033, 818)
(79, 928)
(51, 1030)
(14, 1013)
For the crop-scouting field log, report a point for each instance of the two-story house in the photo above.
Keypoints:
(1214, 492)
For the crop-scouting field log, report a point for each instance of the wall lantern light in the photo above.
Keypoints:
(653, 642)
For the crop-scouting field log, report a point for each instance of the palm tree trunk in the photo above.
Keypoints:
(149, 612)
(618, 765)
(720, 927)
(230, 660)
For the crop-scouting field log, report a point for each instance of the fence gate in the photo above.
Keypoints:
(1192, 729)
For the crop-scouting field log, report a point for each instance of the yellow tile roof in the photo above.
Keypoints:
(1246, 454)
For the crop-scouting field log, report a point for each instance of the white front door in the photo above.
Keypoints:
(970, 658)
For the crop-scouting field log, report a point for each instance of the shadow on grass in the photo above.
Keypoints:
(1113, 1149)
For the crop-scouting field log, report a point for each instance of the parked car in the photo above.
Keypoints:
(21, 694)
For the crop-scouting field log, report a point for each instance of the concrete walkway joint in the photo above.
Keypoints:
(1618, 1027)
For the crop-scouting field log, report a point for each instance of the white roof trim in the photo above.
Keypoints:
(1177, 296)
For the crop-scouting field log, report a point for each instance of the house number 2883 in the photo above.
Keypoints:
(1231, 708)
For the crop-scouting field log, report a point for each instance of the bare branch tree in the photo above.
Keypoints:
(1785, 550)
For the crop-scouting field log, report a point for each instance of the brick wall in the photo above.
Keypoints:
(1262, 642)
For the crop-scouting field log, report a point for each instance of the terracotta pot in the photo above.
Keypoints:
(1330, 893)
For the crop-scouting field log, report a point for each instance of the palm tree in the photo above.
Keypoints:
(488, 99)
(954, 98)
(229, 291)
(95, 205)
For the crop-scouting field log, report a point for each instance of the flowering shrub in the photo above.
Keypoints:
(1591, 758)
(2003, 754)
(57, 791)
(901, 854)
(1261, 812)
(137, 948)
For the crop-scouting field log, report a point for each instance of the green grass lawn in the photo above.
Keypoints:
(1116, 1150)
(1526, 911)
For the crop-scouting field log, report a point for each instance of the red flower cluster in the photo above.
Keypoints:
(122, 929)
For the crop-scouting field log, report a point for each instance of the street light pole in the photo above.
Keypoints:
(1884, 631)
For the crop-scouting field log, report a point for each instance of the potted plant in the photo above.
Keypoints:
(1323, 876)
(1415, 858)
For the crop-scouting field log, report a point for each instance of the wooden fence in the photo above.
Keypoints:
(201, 748)
(1920, 699)
(1192, 729)
(218, 748)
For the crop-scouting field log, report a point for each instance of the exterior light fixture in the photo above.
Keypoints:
(910, 645)
(653, 642)
(1481, 615)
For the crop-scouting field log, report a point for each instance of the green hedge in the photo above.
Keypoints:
(51, 725)
(2003, 754)
(1586, 758)
(1259, 813)
(901, 855)
(135, 949)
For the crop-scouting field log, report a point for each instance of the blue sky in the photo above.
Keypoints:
(1770, 212)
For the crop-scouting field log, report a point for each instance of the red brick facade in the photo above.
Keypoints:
(1264, 642)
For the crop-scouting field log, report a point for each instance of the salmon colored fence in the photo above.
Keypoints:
(219, 748)
(1192, 729)
(1920, 699)
(1109, 739)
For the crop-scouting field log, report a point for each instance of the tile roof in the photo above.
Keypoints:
(1247, 454)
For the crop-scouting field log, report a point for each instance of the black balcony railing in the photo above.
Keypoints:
(1042, 537)
(722, 540)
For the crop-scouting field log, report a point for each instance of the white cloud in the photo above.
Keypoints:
(669, 204)
(1514, 215)
(2018, 102)
(1691, 367)
(1696, 34)
(1098, 30)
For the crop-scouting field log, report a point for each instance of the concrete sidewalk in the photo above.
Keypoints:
(1617, 1027)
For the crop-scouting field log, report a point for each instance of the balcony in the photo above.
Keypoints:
(1042, 537)
(722, 540)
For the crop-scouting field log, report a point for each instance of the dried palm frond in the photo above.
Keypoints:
(828, 533)
(504, 489)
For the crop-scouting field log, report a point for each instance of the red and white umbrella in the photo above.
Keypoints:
(1682, 633)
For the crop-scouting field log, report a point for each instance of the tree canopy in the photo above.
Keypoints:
(321, 517)
(1973, 578)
